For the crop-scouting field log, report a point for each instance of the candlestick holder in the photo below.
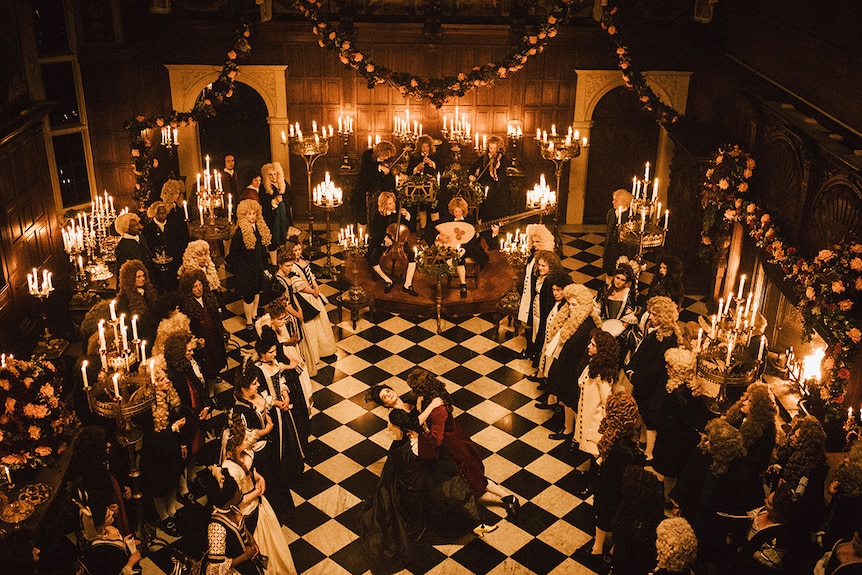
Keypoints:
(514, 136)
(355, 247)
(328, 197)
(517, 255)
(559, 150)
(345, 132)
(310, 149)
(643, 229)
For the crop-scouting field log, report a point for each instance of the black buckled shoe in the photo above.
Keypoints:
(388, 287)
(410, 290)
(512, 505)
(463, 291)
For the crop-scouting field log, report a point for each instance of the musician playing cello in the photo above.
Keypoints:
(375, 176)
(490, 171)
(380, 241)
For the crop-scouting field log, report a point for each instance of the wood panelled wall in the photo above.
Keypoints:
(29, 231)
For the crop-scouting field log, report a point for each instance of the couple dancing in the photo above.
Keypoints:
(432, 477)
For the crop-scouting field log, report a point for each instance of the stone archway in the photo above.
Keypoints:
(671, 86)
(187, 82)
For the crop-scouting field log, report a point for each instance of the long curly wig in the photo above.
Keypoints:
(425, 384)
(605, 364)
(554, 263)
(622, 420)
(247, 229)
(264, 177)
(177, 323)
(681, 367)
(196, 250)
(542, 235)
(175, 350)
(166, 395)
(761, 413)
(641, 502)
(675, 545)
(664, 315)
(802, 451)
(172, 190)
(189, 305)
(138, 304)
(849, 473)
(724, 443)
(567, 321)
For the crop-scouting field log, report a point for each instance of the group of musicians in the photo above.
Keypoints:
(391, 225)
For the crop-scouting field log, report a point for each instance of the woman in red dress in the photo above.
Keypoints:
(447, 433)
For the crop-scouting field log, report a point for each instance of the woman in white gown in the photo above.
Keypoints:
(316, 323)
(239, 448)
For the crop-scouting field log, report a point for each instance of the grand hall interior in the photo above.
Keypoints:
(430, 286)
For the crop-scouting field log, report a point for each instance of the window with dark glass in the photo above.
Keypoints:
(72, 169)
(49, 19)
(59, 81)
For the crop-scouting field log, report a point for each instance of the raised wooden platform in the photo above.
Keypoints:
(494, 281)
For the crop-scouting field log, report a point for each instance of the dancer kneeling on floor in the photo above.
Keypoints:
(447, 433)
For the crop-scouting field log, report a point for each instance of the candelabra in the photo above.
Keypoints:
(345, 130)
(42, 291)
(517, 252)
(328, 197)
(643, 228)
(406, 132)
(439, 261)
(311, 149)
(541, 197)
(457, 133)
(210, 197)
(514, 135)
(560, 150)
(356, 247)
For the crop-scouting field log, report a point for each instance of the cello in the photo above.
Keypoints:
(394, 260)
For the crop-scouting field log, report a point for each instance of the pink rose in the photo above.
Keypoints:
(706, 240)
(730, 215)
(47, 390)
(723, 184)
(751, 208)
(719, 159)
(810, 293)
(824, 256)
(369, 68)
(749, 164)
(769, 233)
(741, 188)
(746, 174)
(858, 284)
(855, 335)
(10, 404)
(35, 432)
(764, 219)
(709, 173)
(43, 451)
(738, 203)
(856, 264)
(845, 305)
(856, 248)
(838, 287)
(358, 57)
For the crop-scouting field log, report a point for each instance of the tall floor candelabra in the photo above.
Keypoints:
(345, 130)
(355, 246)
(560, 150)
(517, 252)
(311, 149)
(328, 197)
(644, 228)
(514, 135)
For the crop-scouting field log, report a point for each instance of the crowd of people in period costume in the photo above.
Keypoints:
(675, 486)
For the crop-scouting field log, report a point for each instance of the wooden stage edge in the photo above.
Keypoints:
(493, 282)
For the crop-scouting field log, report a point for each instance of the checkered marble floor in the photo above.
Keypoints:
(494, 403)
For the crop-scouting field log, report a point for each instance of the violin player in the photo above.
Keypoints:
(490, 171)
(376, 175)
(386, 238)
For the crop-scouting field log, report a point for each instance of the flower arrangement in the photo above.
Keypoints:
(632, 77)
(723, 190)
(35, 424)
(437, 260)
(460, 185)
(828, 286)
(435, 90)
(205, 107)
(411, 190)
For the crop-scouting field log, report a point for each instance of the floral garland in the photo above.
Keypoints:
(436, 90)
(829, 285)
(205, 107)
(632, 77)
(35, 425)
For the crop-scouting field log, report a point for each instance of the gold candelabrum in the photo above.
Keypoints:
(310, 148)
(211, 199)
(89, 243)
(514, 136)
(517, 251)
(345, 130)
(42, 291)
(647, 225)
(328, 196)
(560, 150)
(440, 262)
(725, 353)
(355, 246)
(458, 134)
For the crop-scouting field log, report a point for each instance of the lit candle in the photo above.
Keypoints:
(153, 371)
(741, 285)
(762, 347)
(283, 137)
(201, 212)
(699, 339)
(619, 215)
(747, 305)
(125, 335)
(229, 207)
(102, 344)
(84, 365)
(721, 307)
(729, 353)
(712, 331)
(186, 209)
(655, 190)
(369, 141)
(8, 476)
(143, 351)
(666, 218)
(208, 162)
(646, 172)
(113, 308)
(117, 385)
(634, 185)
